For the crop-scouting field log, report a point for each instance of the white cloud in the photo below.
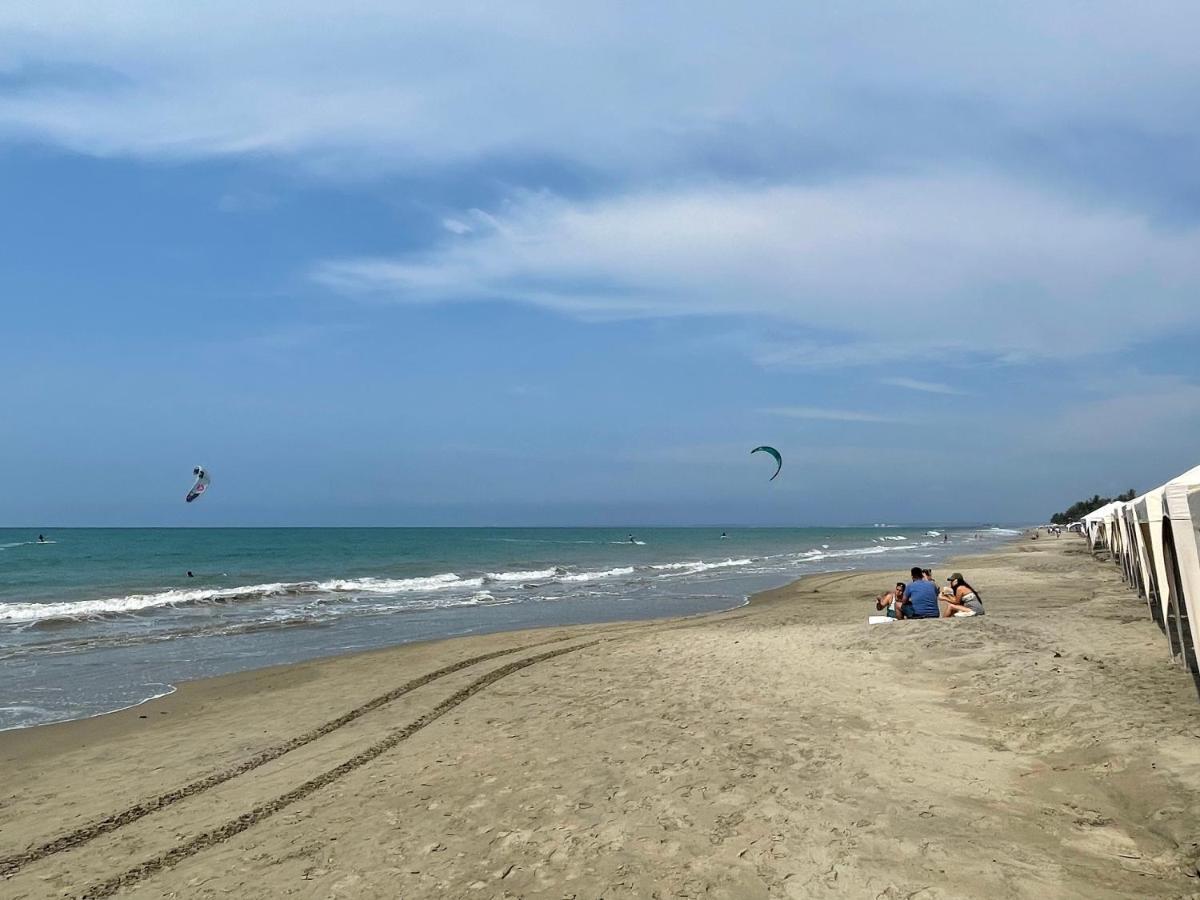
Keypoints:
(913, 384)
(965, 261)
(402, 84)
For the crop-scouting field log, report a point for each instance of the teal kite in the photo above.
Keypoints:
(774, 453)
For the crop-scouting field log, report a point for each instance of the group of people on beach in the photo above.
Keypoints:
(921, 599)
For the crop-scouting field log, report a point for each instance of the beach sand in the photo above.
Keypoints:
(784, 749)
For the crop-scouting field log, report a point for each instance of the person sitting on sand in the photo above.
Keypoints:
(962, 598)
(920, 598)
(891, 601)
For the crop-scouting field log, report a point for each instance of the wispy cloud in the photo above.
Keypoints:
(872, 260)
(372, 83)
(1134, 411)
(928, 387)
(832, 415)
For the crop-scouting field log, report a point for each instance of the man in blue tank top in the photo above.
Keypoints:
(920, 597)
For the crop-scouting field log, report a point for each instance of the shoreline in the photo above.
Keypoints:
(236, 678)
(125, 629)
(779, 748)
(758, 597)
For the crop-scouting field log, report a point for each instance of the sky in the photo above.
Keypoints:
(555, 264)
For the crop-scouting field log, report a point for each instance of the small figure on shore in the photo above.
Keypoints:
(946, 538)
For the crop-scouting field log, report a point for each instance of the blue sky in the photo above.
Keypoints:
(552, 265)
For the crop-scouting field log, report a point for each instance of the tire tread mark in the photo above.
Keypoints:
(263, 811)
(85, 833)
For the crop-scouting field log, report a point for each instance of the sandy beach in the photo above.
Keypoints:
(784, 749)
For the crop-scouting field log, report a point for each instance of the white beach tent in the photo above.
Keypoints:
(1181, 550)
(1150, 505)
(1141, 539)
(1129, 564)
(1091, 527)
(1112, 521)
(1096, 523)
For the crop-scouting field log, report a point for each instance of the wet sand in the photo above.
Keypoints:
(784, 749)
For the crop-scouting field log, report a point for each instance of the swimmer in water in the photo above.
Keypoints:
(41, 539)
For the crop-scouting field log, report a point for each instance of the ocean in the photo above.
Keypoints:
(99, 619)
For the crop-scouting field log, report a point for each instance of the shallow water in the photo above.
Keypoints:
(100, 619)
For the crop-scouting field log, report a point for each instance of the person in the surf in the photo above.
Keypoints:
(41, 539)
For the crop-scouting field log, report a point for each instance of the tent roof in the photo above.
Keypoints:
(1190, 477)
(1101, 513)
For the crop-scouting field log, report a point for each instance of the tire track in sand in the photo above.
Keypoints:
(13, 863)
(85, 833)
(203, 841)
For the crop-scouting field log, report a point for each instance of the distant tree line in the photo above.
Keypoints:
(1077, 511)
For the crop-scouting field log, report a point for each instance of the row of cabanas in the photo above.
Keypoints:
(1155, 539)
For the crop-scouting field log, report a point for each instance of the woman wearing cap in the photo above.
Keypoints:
(962, 598)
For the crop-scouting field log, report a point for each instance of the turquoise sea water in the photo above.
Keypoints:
(99, 619)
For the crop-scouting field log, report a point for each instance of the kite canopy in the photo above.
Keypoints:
(200, 486)
(774, 453)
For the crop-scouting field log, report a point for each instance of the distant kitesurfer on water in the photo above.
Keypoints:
(631, 540)
(41, 539)
(724, 535)
(190, 575)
